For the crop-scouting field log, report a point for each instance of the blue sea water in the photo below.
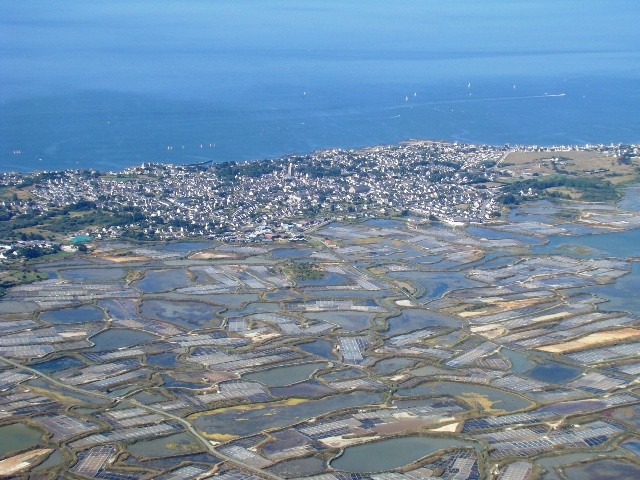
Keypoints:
(111, 84)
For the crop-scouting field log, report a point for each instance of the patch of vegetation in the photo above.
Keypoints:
(625, 158)
(13, 278)
(304, 271)
(64, 221)
(227, 171)
(474, 307)
(318, 171)
(589, 189)
(576, 249)
(567, 214)
(31, 251)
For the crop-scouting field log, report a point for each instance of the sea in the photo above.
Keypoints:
(107, 85)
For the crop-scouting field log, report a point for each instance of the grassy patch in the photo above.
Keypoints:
(11, 278)
(303, 271)
(591, 189)
(253, 406)
(218, 437)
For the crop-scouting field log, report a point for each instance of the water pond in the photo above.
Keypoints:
(93, 274)
(545, 371)
(18, 436)
(310, 389)
(146, 397)
(262, 417)
(491, 234)
(429, 370)
(450, 338)
(281, 376)
(119, 309)
(603, 469)
(166, 359)
(492, 261)
(233, 299)
(186, 314)
(390, 365)
(114, 338)
(298, 467)
(416, 318)
(621, 295)
(549, 463)
(122, 391)
(335, 294)
(53, 460)
(253, 308)
(393, 453)
(349, 321)
(168, 463)
(11, 306)
(629, 414)
(322, 348)
(533, 214)
(631, 199)
(633, 445)
(163, 280)
(553, 372)
(435, 284)
(519, 363)
(575, 229)
(179, 443)
(343, 375)
(284, 294)
(482, 396)
(85, 313)
(412, 255)
(57, 364)
(613, 244)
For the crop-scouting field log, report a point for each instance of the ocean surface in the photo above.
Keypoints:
(106, 85)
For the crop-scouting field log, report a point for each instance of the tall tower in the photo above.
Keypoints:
(290, 169)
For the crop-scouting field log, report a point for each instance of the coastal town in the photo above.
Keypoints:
(275, 199)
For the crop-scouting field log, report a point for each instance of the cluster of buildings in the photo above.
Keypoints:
(30, 249)
(612, 149)
(435, 180)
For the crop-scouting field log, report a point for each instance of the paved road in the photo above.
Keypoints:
(167, 415)
(49, 379)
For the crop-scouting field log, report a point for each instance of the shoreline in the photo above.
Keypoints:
(508, 148)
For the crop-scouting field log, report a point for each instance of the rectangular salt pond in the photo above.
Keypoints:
(393, 453)
(499, 399)
(262, 417)
(281, 376)
(18, 436)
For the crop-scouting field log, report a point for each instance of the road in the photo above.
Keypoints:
(182, 421)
